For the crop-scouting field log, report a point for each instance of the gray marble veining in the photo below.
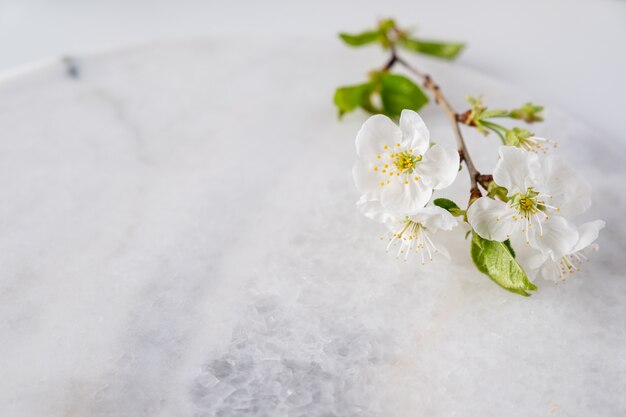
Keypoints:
(178, 237)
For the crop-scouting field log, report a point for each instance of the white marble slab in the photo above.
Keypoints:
(178, 237)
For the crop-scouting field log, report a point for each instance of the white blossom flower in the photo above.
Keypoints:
(540, 192)
(557, 269)
(413, 233)
(396, 164)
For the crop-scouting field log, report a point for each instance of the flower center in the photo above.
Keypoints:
(568, 265)
(536, 144)
(413, 236)
(399, 164)
(405, 161)
(527, 204)
(532, 209)
(572, 262)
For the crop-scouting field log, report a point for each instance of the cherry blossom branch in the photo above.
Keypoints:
(509, 205)
(453, 116)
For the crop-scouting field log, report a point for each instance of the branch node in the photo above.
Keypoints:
(465, 118)
(475, 194)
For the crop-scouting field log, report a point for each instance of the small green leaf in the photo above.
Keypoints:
(497, 261)
(529, 112)
(360, 39)
(445, 50)
(487, 114)
(351, 97)
(497, 192)
(398, 93)
(475, 101)
(444, 203)
(508, 245)
(449, 205)
(476, 250)
(386, 24)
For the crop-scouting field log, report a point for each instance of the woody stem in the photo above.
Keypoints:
(440, 99)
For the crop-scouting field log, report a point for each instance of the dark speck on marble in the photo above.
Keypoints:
(71, 67)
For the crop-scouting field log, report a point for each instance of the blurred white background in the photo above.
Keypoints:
(562, 52)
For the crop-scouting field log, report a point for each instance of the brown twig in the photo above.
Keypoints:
(392, 59)
(453, 116)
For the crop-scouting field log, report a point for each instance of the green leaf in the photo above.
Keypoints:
(494, 113)
(529, 112)
(508, 245)
(445, 50)
(386, 24)
(360, 39)
(497, 192)
(398, 93)
(449, 205)
(475, 101)
(444, 203)
(497, 261)
(351, 97)
(476, 250)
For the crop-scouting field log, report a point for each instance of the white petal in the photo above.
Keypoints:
(365, 178)
(435, 218)
(536, 260)
(439, 167)
(587, 234)
(405, 199)
(570, 192)
(516, 170)
(376, 132)
(491, 219)
(529, 258)
(532, 263)
(371, 208)
(556, 237)
(415, 134)
(594, 247)
(551, 271)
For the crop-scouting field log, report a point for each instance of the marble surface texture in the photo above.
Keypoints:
(178, 237)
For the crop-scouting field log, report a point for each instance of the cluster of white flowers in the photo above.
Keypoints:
(396, 172)
(543, 194)
(398, 169)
